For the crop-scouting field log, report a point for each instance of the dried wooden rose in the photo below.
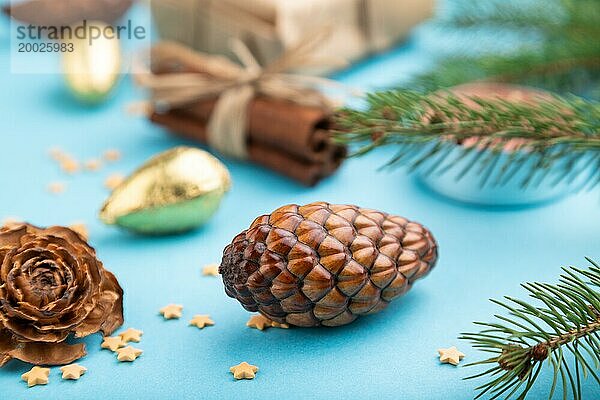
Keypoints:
(51, 286)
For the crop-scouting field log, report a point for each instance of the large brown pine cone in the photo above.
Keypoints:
(325, 264)
(52, 285)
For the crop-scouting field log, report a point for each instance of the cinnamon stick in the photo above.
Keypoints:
(282, 135)
(304, 171)
(298, 130)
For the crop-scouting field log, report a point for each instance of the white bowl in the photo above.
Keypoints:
(471, 187)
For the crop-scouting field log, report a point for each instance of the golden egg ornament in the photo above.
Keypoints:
(92, 66)
(175, 191)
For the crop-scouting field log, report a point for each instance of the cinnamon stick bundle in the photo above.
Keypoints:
(301, 169)
(289, 138)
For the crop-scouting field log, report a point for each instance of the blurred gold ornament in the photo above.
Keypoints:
(175, 191)
(92, 69)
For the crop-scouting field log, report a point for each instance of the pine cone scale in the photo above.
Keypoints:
(323, 264)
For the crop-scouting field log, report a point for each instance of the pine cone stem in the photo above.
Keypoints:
(515, 355)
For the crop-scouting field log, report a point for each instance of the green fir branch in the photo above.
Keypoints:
(565, 58)
(551, 17)
(553, 70)
(565, 53)
(557, 132)
(560, 331)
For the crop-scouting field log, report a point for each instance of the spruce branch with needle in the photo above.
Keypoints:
(560, 330)
(555, 131)
(555, 49)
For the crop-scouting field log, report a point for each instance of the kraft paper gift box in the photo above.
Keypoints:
(359, 27)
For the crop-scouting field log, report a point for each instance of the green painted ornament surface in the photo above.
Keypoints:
(175, 191)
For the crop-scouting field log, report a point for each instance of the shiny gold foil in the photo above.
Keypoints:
(175, 191)
(91, 71)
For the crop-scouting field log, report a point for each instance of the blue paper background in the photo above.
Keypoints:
(483, 253)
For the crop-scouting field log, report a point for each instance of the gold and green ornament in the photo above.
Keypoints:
(92, 68)
(175, 191)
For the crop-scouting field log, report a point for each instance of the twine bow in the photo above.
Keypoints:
(235, 86)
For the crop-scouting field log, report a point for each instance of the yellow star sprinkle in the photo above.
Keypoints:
(112, 155)
(80, 228)
(211, 270)
(73, 371)
(113, 181)
(69, 165)
(56, 153)
(10, 221)
(278, 325)
(244, 371)
(450, 355)
(36, 376)
(171, 311)
(259, 322)
(200, 321)
(93, 164)
(56, 187)
(131, 335)
(113, 343)
(128, 354)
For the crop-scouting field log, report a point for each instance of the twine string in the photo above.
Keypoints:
(235, 86)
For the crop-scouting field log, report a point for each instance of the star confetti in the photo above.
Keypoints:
(113, 181)
(131, 335)
(128, 354)
(278, 325)
(36, 376)
(244, 371)
(69, 165)
(57, 153)
(259, 322)
(113, 343)
(80, 228)
(56, 187)
(93, 164)
(211, 270)
(73, 371)
(200, 321)
(172, 311)
(450, 355)
(112, 155)
(9, 221)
